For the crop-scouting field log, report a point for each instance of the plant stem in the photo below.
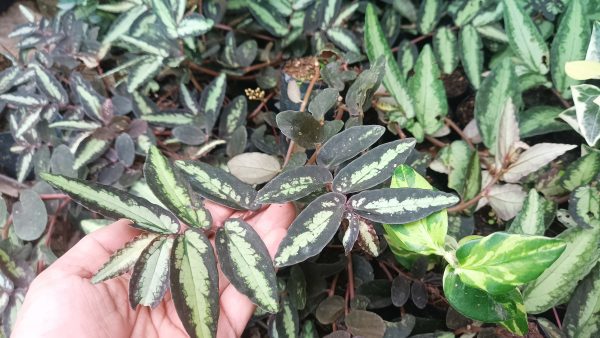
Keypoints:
(53, 196)
(6, 227)
(386, 271)
(399, 131)
(350, 278)
(262, 104)
(435, 141)
(331, 290)
(560, 98)
(466, 204)
(558, 322)
(462, 135)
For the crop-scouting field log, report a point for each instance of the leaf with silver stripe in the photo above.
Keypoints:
(294, 184)
(352, 231)
(172, 118)
(188, 99)
(429, 13)
(245, 261)
(211, 100)
(581, 171)
(194, 25)
(400, 206)
(25, 164)
(268, 18)
(123, 259)
(312, 230)
(445, 47)
(582, 318)
(343, 39)
(150, 277)
(347, 144)
(114, 203)
(8, 77)
(142, 71)
(169, 186)
(164, 11)
(373, 167)
(87, 96)
(29, 119)
(234, 116)
(23, 99)
(535, 216)
(122, 24)
(584, 205)
(471, 54)
(89, 150)
(195, 284)
(49, 85)
(218, 185)
(79, 125)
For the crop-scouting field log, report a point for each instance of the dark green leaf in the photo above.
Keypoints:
(330, 309)
(294, 184)
(324, 101)
(29, 216)
(400, 290)
(366, 324)
(301, 127)
(348, 144)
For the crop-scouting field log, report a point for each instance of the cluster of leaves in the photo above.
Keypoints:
(144, 109)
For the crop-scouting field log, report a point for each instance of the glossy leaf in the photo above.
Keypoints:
(150, 277)
(123, 259)
(535, 216)
(115, 203)
(323, 102)
(294, 184)
(301, 127)
(347, 144)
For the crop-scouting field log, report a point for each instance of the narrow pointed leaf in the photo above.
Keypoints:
(115, 203)
(194, 25)
(88, 97)
(25, 164)
(211, 100)
(294, 184)
(233, 117)
(169, 118)
(9, 77)
(245, 261)
(581, 171)
(188, 99)
(584, 205)
(347, 144)
(195, 284)
(164, 11)
(541, 120)
(49, 85)
(312, 230)
(343, 39)
(429, 13)
(171, 188)
(150, 277)
(218, 185)
(75, 125)
(123, 259)
(351, 233)
(29, 119)
(535, 158)
(143, 71)
(582, 318)
(122, 24)
(148, 46)
(400, 206)
(270, 20)
(89, 150)
(445, 47)
(373, 167)
(286, 322)
(22, 99)
(471, 54)
(535, 217)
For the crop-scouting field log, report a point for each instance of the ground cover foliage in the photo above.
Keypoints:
(443, 157)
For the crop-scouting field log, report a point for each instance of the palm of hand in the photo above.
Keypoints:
(62, 302)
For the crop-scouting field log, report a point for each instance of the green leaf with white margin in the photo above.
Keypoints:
(164, 11)
(445, 47)
(233, 116)
(471, 54)
(171, 188)
(169, 118)
(29, 118)
(143, 71)
(211, 100)
(87, 96)
(587, 107)
(540, 120)
(89, 150)
(114, 203)
(535, 216)
(188, 99)
(584, 205)
(294, 184)
(373, 167)
(429, 13)
(533, 159)
(150, 277)
(569, 44)
(312, 230)
(467, 11)
(148, 46)
(376, 45)
(431, 105)
(8, 77)
(500, 261)
(556, 284)
(123, 259)
(400, 206)
(195, 284)
(524, 38)
(245, 261)
(25, 164)
(478, 304)
(581, 171)
(194, 25)
(343, 39)
(582, 318)
(22, 99)
(218, 185)
(49, 85)
(120, 26)
(427, 235)
(269, 19)
(491, 98)
(347, 144)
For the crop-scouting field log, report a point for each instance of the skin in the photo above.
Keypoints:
(61, 301)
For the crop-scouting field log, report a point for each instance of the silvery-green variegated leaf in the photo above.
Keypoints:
(218, 185)
(406, 57)
(312, 230)
(285, 324)
(584, 205)
(586, 98)
(556, 284)
(347, 144)
(211, 100)
(373, 167)
(49, 85)
(169, 118)
(331, 9)
(25, 164)
(246, 53)
(343, 39)
(427, 90)
(464, 174)
(80, 125)
(114, 203)
(540, 120)
(245, 261)
(500, 261)
(445, 47)
(143, 71)
(122, 24)
(233, 116)
(467, 11)
(301, 127)
(582, 171)
(164, 11)
(569, 44)
(524, 37)
(351, 233)
(269, 19)
(400, 206)
(22, 99)
(535, 216)
(535, 158)
(142, 105)
(188, 99)
(145, 45)
(298, 5)
(294, 184)
(123, 259)
(368, 240)
(195, 284)
(194, 25)
(29, 119)
(471, 54)
(87, 96)
(582, 318)
(429, 13)
(171, 188)
(495, 33)
(150, 276)
(89, 150)
(376, 45)
(8, 77)
(490, 101)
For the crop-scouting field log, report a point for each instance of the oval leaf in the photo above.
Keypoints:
(150, 277)
(294, 184)
(347, 144)
(123, 259)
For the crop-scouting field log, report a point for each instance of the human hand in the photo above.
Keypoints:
(62, 302)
